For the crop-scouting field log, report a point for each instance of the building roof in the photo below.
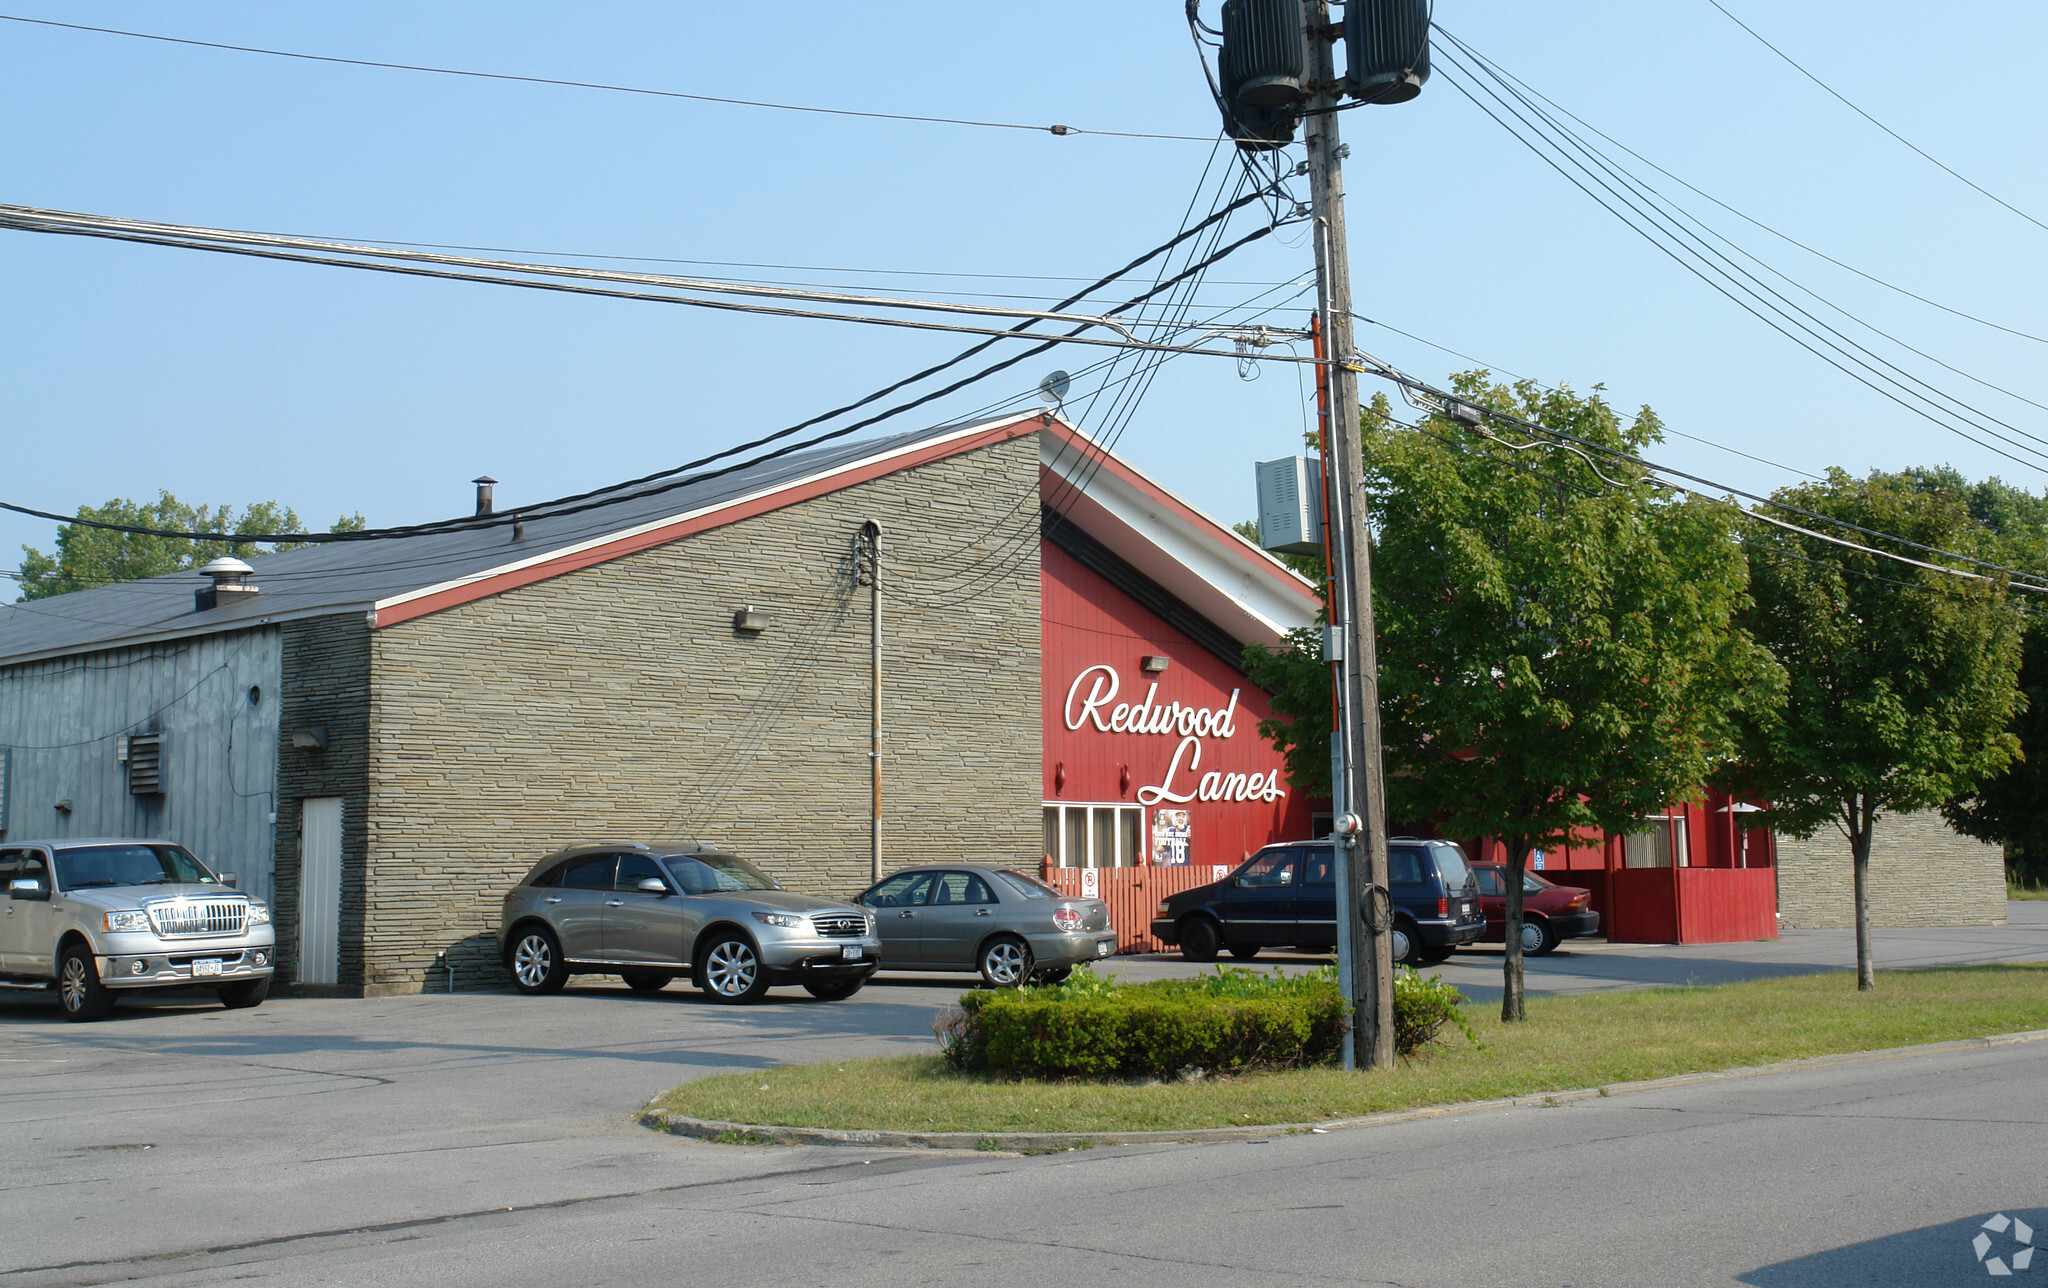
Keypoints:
(391, 581)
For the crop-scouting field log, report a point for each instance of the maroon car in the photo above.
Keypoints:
(1550, 913)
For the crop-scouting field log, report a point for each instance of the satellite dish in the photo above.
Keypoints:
(1053, 389)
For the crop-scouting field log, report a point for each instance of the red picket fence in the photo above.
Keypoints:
(1133, 895)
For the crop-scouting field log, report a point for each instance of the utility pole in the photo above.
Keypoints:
(1363, 898)
(871, 573)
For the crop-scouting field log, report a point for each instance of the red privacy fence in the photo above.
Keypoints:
(1133, 894)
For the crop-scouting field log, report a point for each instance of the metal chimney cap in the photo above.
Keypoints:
(227, 568)
(483, 478)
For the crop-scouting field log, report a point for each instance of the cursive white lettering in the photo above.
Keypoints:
(1091, 706)
(1165, 792)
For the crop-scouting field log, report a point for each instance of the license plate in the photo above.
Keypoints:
(1102, 949)
(850, 953)
(206, 966)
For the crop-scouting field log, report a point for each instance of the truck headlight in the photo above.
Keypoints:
(136, 920)
(787, 920)
(259, 915)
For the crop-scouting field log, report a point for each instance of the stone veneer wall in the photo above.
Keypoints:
(618, 702)
(327, 684)
(1922, 873)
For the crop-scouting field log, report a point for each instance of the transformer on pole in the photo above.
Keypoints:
(1270, 82)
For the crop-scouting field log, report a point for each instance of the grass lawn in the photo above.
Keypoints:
(2025, 892)
(1567, 1043)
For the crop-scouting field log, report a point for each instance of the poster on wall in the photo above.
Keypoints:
(1169, 837)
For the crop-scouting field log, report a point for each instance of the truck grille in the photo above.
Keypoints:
(189, 920)
(840, 925)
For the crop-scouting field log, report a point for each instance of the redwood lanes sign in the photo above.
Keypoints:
(1089, 701)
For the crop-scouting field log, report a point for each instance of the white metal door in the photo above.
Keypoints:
(320, 891)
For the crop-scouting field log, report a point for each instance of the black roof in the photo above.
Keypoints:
(339, 577)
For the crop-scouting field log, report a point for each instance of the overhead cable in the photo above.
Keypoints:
(1917, 150)
(1751, 220)
(1062, 130)
(1742, 288)
(617, 492)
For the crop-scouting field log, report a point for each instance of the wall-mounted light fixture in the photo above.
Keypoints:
(310, 738)
(750, 621)
(1155, 664)
(64, 806)
(1059, 778)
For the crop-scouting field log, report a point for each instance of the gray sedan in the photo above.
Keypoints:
(649, 913)
(1006, 924)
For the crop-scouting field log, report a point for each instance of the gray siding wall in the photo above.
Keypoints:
(618, 702)
(1922, 873)
(61, 719)
(327, 686)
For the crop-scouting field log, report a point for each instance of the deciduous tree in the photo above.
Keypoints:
(1902, 682)
(1557, 639)
(89, 556)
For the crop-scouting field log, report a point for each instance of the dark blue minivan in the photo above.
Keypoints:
(1285, 895)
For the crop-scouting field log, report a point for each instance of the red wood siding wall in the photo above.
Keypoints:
(1727, 905)
(1087, 623)
(1133, 895)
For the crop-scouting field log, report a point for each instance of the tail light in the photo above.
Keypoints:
(1443, 907)
(1067, 919)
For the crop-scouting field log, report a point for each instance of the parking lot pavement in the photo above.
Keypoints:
(204, 1126)
(1594, 965)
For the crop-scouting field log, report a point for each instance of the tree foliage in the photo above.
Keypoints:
(87, 556)
(2010, 808)
(1556, 632)
(1901, 682)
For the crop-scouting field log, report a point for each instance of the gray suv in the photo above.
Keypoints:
(649, 913)
(105, 916)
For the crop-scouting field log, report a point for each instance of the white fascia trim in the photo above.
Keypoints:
(1274, 600)
(624, 534)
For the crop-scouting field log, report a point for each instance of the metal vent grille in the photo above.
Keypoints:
(186, 920)
(840, 925)
(145, 764)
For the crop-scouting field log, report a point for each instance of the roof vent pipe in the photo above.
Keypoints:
(483, 493)
(230, 578)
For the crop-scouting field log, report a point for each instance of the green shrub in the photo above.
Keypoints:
(1423, 1004)
(1228, 1021)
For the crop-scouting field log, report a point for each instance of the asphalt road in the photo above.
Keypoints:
(488, 1139)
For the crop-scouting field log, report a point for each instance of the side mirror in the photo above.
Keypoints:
(227, 879)
(652, 885)
(26, 888)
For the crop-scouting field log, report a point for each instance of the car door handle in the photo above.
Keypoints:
(553, 898)
(615, 903)
(982, 912)
(905, 914)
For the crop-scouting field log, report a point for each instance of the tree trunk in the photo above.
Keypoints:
(1859, 847)
(1511, 1009)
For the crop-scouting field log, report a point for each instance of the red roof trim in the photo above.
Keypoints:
(1255, 559)
(436, 599)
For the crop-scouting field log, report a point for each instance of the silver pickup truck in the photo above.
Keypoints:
(102, 916)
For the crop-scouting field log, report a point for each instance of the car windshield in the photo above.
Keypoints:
(710, 873)
(1450, 862)
(129, 865)
(1028, 886)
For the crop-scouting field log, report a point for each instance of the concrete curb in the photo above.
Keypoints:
(1048, 1142)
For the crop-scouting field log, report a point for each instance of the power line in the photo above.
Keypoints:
(615, 493)
(1917, 150)
(1062, 130)
(1785, 237)
(1493, 367)
(1721, 274)
(1664, 204)
(1444, 403)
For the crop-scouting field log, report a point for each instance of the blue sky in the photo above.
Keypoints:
(129, 369)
